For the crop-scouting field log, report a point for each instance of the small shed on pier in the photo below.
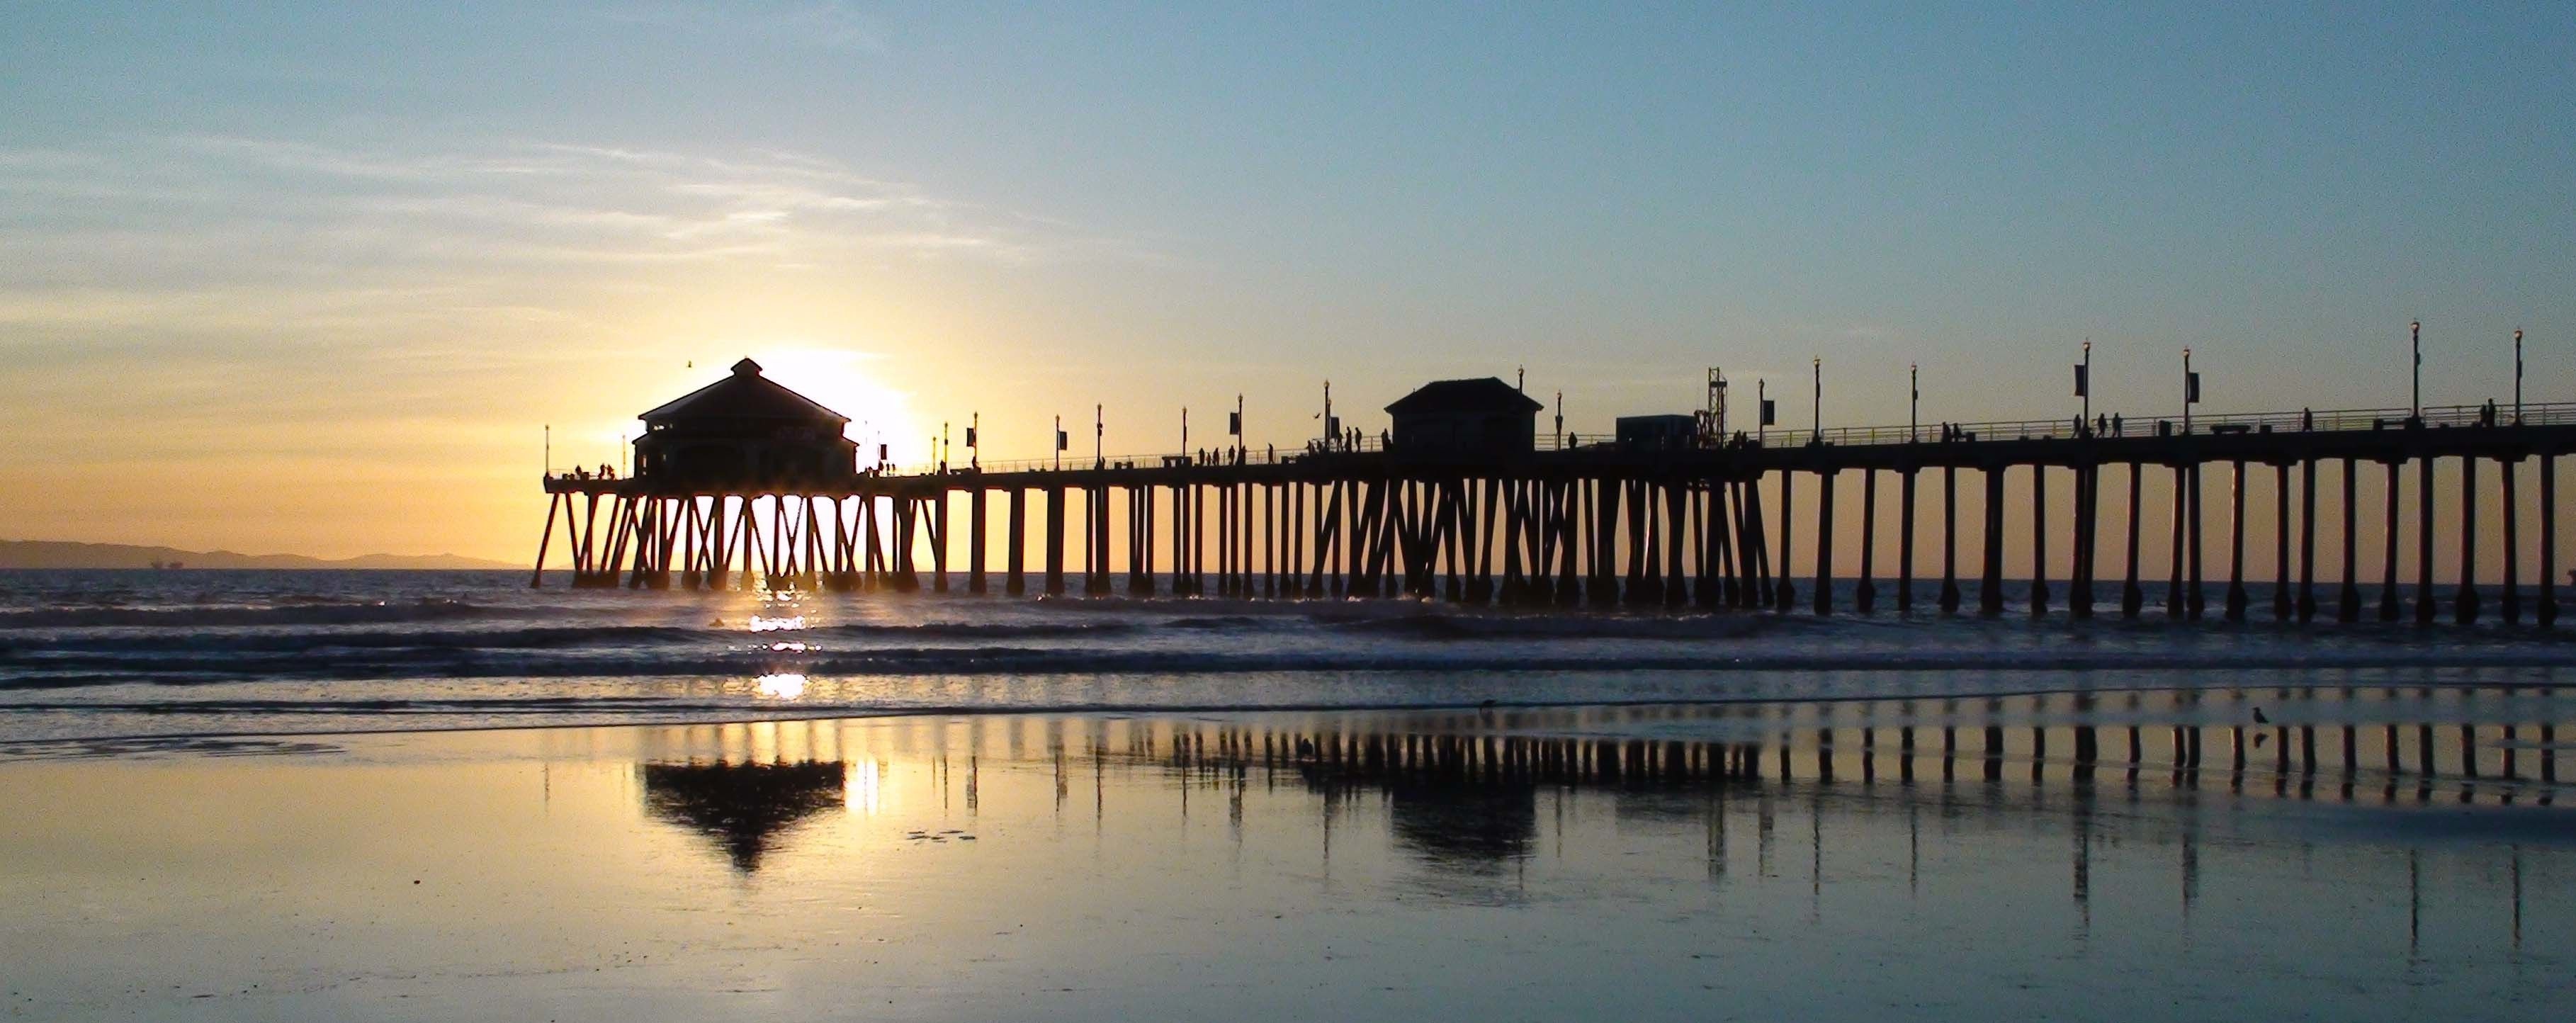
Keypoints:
(1476, 418)
(744, 430)
(1658, 432)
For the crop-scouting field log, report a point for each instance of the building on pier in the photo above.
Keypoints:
(1658, 433)
(1479, 418)
(744, 430)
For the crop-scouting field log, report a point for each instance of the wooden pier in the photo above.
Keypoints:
(1591, 522)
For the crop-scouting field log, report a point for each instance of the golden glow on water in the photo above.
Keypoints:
(863, 790)
(788, 686)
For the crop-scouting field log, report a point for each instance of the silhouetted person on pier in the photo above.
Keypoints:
(2116, 426)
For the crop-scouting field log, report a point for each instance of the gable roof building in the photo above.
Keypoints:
(1481, 417)
(744, 430)
(1471, 395)
(745, 395)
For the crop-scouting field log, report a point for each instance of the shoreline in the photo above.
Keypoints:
(2184, 706)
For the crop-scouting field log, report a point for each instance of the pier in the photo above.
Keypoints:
(1652, 517)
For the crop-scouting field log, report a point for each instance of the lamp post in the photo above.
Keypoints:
(2415, 336)
(1185, 431)
(2190, 391)
(1332, 431)
(2517, 376)
(1099, 429)
(1816, 429)
(1761, 410)
(1913, 401)
(2084, 388)
(1059, 443)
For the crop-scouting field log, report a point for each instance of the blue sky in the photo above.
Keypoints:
(378, 247)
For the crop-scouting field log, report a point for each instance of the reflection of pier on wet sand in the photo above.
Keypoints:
(2022, 854)
(1463, 788)
(1948, 740)
(745, 807)
(2489, 745)
(2419, 790)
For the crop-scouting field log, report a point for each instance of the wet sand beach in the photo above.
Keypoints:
(2018, 857)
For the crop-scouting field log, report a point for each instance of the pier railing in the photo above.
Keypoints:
(2069, 428)
(2073, 427)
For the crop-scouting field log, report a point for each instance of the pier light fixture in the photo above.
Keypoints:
(1913, 401)
(1762, 406)
(2190, 390)
(2084, 387)
(1816, 429)
(1332, 426)
(2517, 376)
(2415, 338)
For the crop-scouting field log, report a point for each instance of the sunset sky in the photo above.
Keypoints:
(314, 277)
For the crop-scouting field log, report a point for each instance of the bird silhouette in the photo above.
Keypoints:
(2259, 718)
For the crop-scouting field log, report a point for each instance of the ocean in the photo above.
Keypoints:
(92, 655)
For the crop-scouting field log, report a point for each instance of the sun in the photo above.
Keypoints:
(841, 379)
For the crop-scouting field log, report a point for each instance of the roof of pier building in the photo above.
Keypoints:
(744, 395)
(1474, 395)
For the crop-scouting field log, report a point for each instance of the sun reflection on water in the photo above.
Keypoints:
(788, 686)
(861, 787)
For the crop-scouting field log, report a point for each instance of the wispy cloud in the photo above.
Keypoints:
(135, 228)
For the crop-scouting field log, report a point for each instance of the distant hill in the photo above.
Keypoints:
(58, 554)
